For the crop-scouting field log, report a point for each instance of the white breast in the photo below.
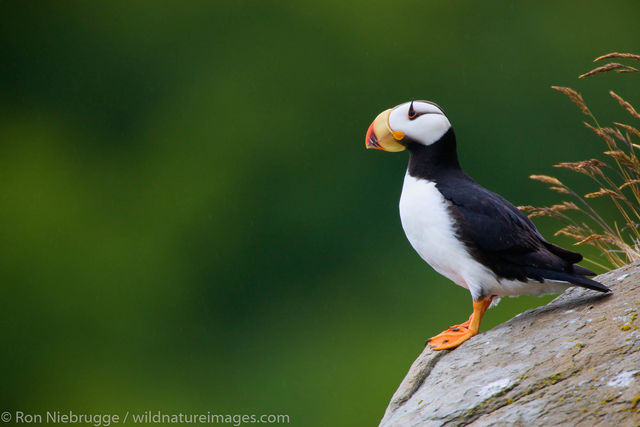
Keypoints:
(427, 223)
(430, 229)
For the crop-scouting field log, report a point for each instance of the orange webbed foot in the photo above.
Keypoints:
(456, 335)
(451, 338)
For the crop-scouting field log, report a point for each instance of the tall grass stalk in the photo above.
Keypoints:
(616, 177)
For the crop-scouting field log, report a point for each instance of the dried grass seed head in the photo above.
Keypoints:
(575, 97)
(602, 69)
(625, 104)
(622, 157)
(585, 166)
(547, 180)
(628, 183)
(629, 128)
(603, 192)
(618, 55)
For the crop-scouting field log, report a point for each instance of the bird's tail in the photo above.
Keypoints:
(577, 277)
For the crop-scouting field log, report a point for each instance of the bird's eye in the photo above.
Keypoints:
(412, 112)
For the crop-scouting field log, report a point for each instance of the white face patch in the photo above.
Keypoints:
(427, 128)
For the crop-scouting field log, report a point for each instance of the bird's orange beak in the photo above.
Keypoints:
(380, 136)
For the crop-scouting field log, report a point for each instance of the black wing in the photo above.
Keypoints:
(502, 238)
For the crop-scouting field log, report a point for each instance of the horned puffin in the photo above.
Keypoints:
(470, 235)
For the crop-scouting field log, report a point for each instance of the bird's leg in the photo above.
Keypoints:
(456, 335)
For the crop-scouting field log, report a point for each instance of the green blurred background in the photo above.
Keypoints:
(190, 221)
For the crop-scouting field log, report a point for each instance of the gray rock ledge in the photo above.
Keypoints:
(575, 361)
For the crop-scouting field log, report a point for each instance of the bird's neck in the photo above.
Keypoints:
(436, 160)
